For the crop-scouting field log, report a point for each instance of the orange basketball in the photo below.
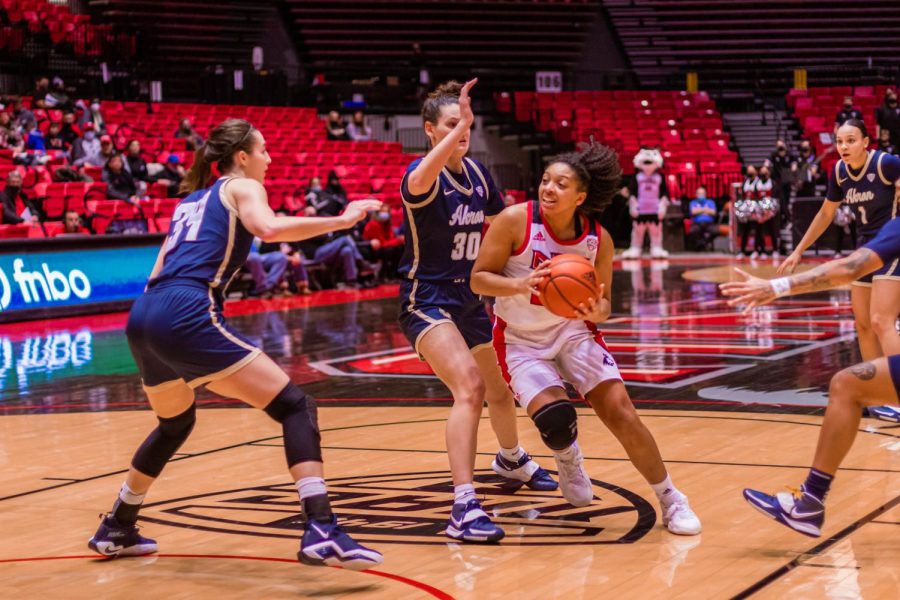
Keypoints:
(572, 281)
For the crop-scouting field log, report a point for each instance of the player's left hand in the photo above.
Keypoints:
(749, 290)
(590, 310)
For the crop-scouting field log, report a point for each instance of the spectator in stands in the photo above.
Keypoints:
(121, 184)
(298, 273)
(703, 221)
(21, 115)
(358, 129)
(171, 175)
(311, 193)
(509, 200)
(847, 112)
(135, 163)
(335, 188)
(70, 130)
(884, 142)
(266, 268)
(808, 178)
(91, 116)
(9, 195)
(335, 128)
(34, 139)
(55, 142)
(41, 89)
(72, 225)
(57, 97)
(806, 154)
(9, 136)
(784, 165)
(86, 151)
(185, 131)
(387, 246)
(887, 116)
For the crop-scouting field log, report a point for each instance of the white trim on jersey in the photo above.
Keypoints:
(861, 171)
(459, 187)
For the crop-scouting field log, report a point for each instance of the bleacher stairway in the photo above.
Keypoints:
(754, 133)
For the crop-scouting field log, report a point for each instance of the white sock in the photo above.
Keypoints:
(568, 453)
(512, 454)
(129, 497)
(666, 491)
(311, 486)
(464, 492)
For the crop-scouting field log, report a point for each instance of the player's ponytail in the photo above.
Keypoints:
(445, 94)
(231, 136)
(599, 174)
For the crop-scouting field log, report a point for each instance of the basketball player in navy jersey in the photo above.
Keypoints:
(181, 341)
(872, 382)
(539, 350)
(447, 198)
(865, 180)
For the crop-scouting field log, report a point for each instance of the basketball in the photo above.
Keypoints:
(572, 281)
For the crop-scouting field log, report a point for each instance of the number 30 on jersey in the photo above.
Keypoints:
(466, 245)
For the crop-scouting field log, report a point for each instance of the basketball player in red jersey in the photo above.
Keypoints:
(537, 350)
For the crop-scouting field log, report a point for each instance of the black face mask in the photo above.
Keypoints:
(782, 150)
(892, 102)
(13, 191)
(848, 107)
(804, 150)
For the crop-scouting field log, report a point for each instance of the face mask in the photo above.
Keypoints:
(848, 106)
(89, 136)
(764, 176)
(13, 189)
(384, 216)
(892, 102)
(701, 195)
(315, 187)
(95, 107)
(782, 150)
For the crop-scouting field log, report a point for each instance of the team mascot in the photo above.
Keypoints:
(648, 204)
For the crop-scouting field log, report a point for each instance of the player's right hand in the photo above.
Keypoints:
(788, 265)
(465, 103)
(357, 210)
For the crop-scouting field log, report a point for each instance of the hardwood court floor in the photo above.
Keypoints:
(732, 401)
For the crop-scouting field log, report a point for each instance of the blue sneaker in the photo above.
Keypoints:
(469, 523)
(326, 543)
(802, 512)
(885, 413)
(115, 539)
(523, 472)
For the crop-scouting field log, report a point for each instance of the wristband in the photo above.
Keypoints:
(781, 286)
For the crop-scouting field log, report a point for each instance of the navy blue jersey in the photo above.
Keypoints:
(444, 225)
(869, 192)
(887, 243)
(207, 243)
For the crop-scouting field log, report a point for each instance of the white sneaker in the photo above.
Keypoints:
(755, 255)
(658, 253)
(574, 481)
(632, 253)
(679, 518)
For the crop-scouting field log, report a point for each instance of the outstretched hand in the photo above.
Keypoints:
(357, 210)
(465, 102)
(750, 291)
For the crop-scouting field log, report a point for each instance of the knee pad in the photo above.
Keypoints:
(297, 413)
(164, 441)
(558, 424)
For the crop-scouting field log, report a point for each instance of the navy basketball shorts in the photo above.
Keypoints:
(177, 335)
(425, 305)
(889, 270)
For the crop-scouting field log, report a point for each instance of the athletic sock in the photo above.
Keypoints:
(464, 492)
(512, 454)
(817, 484)
(567, 453)
(666, 491)
(314, 498)
(125, 510)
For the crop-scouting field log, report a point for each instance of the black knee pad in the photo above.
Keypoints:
(558, 424)
(297, 413)
(164, 441)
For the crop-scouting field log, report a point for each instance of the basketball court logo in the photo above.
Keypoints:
(412, 508)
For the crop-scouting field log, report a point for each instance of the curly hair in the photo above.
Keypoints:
(446, 94)
(599, 174)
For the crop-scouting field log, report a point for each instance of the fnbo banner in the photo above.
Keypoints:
(46, 280)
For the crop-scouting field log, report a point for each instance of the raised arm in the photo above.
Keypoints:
(422, 178)
(252, 203)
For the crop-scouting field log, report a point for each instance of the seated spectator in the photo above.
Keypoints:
(884, 142)
(21, 115)
(70, 131)
(9, 134)
(120, 183)
(358, 130)
(72, 225)
(9, 195)
(387, 246)
(34, 139)
(335, 128)
(107, 148)
(135, 163)
(91, 117)
(41, 89)
(329, 202)
(171, 175)
(54, 140)
(703, 221)
(185, 131)
(312, 191)
(267, 269)
(847, 112)
(57, 97)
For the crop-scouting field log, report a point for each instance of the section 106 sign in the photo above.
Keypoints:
(548, 81)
